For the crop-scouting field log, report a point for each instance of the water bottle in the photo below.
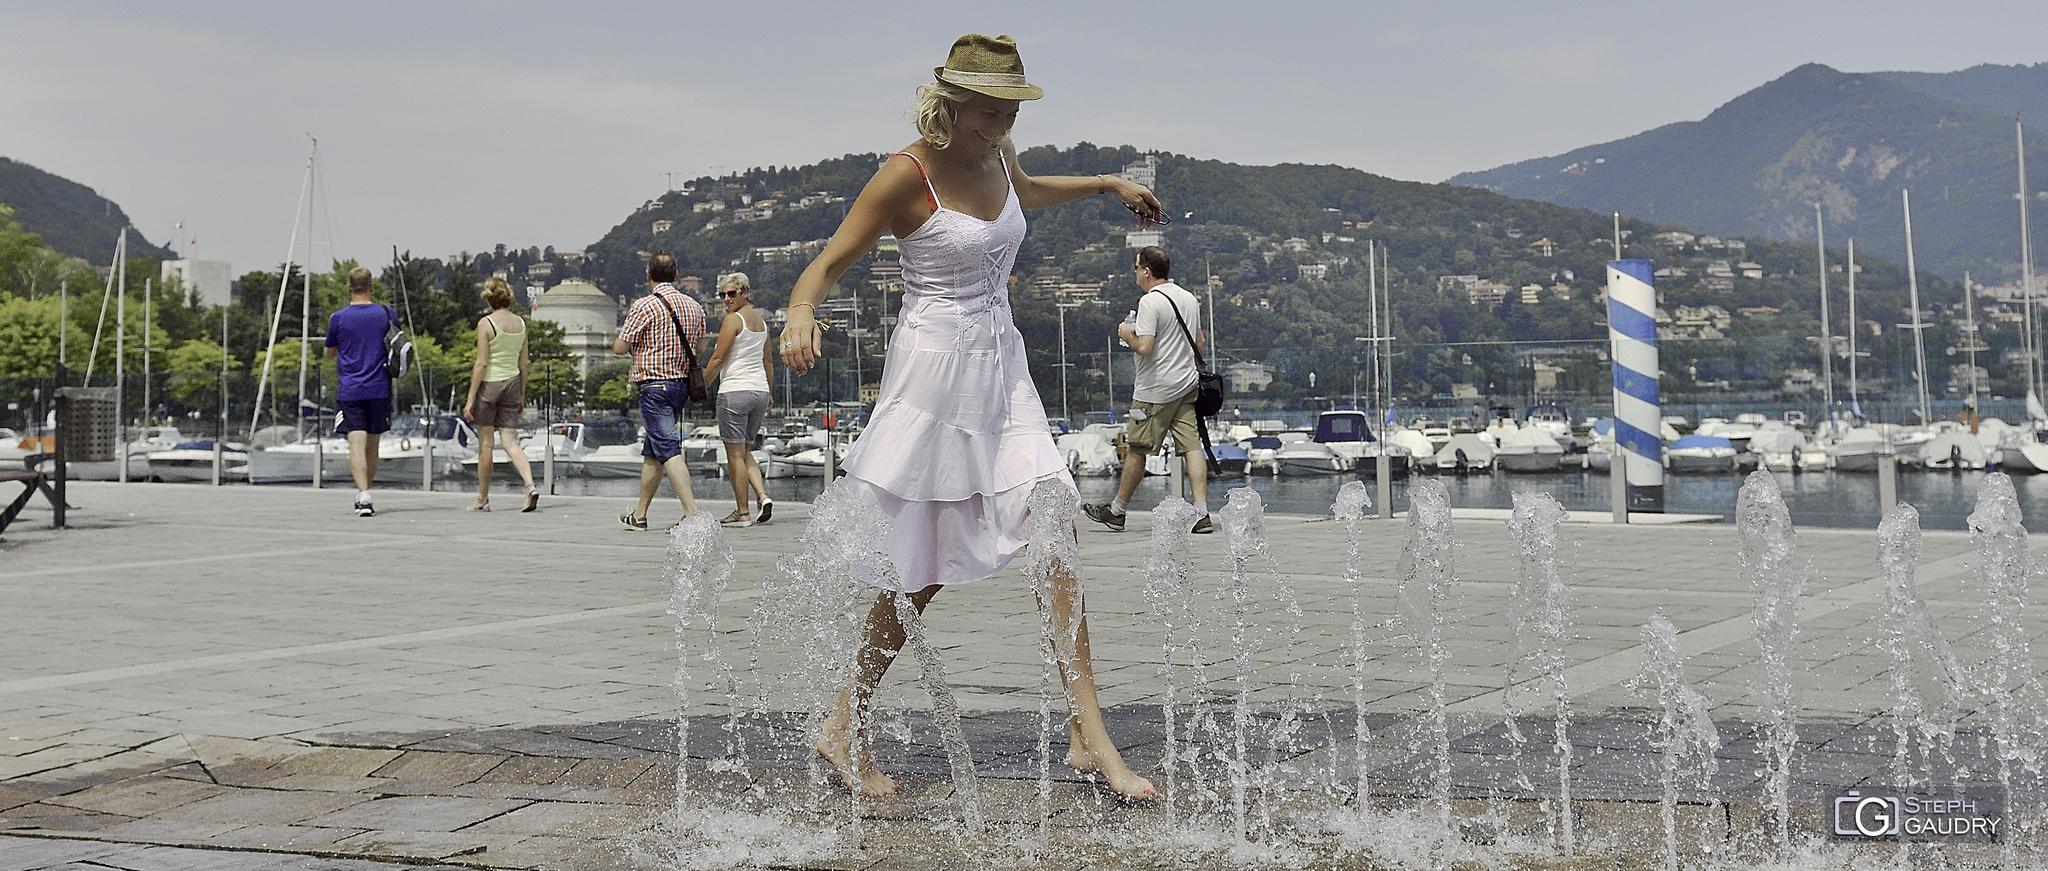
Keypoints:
(1130, 320)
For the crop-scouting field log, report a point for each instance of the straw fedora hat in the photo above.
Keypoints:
(988, 65)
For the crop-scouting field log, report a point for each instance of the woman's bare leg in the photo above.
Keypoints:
(483, 464)
(1089, 748)
(754, 478)
(736, 459)
(842, 743)
(510, 437)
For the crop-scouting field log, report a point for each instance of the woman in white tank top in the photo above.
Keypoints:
(741, 363)
(958, 439)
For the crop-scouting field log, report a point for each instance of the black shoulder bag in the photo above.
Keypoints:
(1208, 386)
(693, 374)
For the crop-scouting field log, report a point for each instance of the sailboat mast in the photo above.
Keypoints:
(148, 291)
(2033, 342)
(120, 357)
(1854, 326)
(1913, 300)
(1372, 307)
(1386, 349)
(1827, 332)
(284, 280)
(1970, 330)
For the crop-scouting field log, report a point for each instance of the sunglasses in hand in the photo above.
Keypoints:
(1162, 218)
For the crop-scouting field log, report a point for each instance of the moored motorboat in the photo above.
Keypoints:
(1466, 452)
(192, 462)
(1529, 449)
(1702, 454)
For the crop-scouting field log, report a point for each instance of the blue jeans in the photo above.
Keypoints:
(661, 406)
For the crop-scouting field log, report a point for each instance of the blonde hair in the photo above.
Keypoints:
(359, 280)
(732, 280)
(938, 107)
(497, 293)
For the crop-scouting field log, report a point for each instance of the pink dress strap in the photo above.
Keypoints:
(931, 194)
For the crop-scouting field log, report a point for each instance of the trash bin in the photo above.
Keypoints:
(85, 423)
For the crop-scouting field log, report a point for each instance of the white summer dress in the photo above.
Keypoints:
(958, 436)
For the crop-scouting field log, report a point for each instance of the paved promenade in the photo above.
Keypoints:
(253, 678)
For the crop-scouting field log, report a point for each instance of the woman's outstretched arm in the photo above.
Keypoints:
(887, 196)
(1052, 190)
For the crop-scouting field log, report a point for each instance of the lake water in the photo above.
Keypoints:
(1826, 499)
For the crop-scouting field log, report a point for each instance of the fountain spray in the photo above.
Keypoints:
(1541, 610)
(2007, 679)
(1684, 725)
(1351, 509)
(1169, 596)
(1764, 527)
(1426, 586)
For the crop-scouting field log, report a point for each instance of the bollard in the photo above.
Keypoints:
(218, 459)
(1176, 476)
(1887, 483)
(831, 456)
(548, 460)
(319, 460)
(427, 454)
(1617, 482)
(1384, 488)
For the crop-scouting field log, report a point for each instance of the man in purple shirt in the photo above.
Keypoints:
(355, 340)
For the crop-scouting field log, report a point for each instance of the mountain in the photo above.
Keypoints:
(1482, 282)
(72, 218)
(1850, 141)
(2001, 90)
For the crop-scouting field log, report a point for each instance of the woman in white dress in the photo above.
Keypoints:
(958, 436)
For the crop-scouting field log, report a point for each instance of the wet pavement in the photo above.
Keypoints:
(253, 678)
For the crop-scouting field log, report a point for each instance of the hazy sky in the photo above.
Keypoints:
(449, 126)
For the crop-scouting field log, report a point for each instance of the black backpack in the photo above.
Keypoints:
(398, 350)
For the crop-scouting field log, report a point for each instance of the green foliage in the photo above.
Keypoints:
(195, 366)
(607, 386)
(29, 337)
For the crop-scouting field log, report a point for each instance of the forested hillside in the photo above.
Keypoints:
(1849, 141)
(72, 219)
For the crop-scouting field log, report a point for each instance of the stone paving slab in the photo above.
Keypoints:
(253, 675)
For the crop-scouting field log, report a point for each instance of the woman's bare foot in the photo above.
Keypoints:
(855, 768)
(1122, 780)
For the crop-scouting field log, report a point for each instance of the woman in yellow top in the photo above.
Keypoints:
(497, 391)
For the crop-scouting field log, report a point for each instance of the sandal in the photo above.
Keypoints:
(481, 505)
(767, 511)
(736, 519)
(532, 501)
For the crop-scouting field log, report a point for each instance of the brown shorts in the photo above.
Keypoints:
(1161, 419)
(498, 403)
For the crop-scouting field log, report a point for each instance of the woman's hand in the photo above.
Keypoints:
(803, 340)
(1137, 198)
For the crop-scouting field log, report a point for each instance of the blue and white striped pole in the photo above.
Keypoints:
(1632, 333)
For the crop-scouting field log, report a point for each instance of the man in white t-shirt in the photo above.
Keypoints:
(1163, 399)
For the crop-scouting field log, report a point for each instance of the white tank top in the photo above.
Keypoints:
(743, 369)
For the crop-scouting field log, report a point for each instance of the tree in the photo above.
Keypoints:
(29, 338)
(195, 368)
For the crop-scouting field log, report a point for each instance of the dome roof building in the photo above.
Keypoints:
(589, 319)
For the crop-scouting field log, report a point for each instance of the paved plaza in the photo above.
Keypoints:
(253, 678)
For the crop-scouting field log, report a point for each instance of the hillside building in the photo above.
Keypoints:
(212, 279)
(1247, 377)
(589, 319)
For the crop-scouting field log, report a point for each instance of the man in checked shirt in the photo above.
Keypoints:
(657, 329)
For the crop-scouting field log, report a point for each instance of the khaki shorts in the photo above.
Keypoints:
(1176, 418)
(498, 403)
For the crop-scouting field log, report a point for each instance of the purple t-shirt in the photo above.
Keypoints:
(356, 332)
